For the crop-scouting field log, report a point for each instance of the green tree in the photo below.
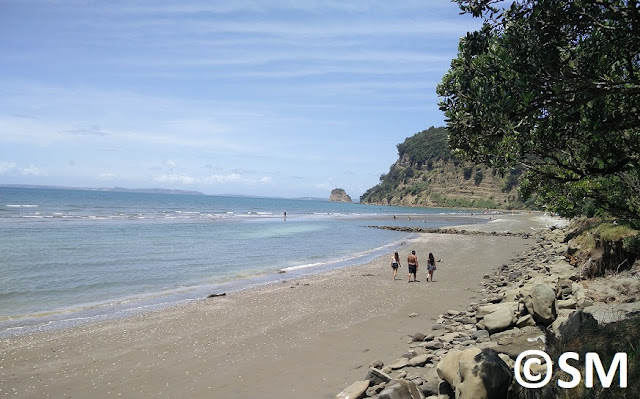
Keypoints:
(553, 86)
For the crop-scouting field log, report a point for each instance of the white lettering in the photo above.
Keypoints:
(569, 369)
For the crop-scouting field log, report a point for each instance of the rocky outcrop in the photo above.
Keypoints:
(339, 195)
(537, 299)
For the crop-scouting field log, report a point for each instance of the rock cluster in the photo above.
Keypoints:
(451, 230)
(470, 353)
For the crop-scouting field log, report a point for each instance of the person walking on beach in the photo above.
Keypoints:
(395, 263)
(412, 261)
(431, 266)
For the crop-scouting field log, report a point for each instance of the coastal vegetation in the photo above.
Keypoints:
(552, 88)
(428, 173)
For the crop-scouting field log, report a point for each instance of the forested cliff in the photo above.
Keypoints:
(428, 174)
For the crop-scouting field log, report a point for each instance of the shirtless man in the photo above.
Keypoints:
(412, 261)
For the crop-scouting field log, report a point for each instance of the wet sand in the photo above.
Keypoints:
(309, 337)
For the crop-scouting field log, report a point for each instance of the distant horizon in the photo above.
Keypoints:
(272, 99)
(153, 190)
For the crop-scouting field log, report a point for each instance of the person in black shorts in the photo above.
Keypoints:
(395, 263)
(412, 262)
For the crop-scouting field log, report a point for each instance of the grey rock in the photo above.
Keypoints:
(499, 320)
(526, 320)
(378, 364)
(576, 324)
(377, 377)
(540, 302)
(401, 389)
(419, 360)
(432, 345)
(374, 390)
(517, 340)
(431, 381)
(418, 337)
(356, 390)
(400, 363)
(480, 334)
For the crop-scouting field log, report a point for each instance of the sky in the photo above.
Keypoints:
(282, 98)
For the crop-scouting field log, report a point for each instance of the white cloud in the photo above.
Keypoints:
(33, 171)
(170, 164)
(229, 178)
(107, 176)
(6, 167)
(176, 178)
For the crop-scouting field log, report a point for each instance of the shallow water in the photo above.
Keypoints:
(71, 255)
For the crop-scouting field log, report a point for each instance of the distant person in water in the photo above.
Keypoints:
(285, 215)
(431, 266)
(412, 261)
(395, 263)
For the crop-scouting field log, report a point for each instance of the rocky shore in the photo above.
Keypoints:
(535, 299)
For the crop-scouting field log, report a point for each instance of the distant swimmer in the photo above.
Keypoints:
(285, 215)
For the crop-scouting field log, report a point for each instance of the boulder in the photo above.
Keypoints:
(575, 325)
(500, 320)
(526, 320)
(400, 363)
(432, 345)
(484, 376)
(564, 287)
(356, 390)
(431, 381)
(377, 377)
(569, 303)
(448, 366)
(480, 334)
(515, 341)
(377, 364)
(374, 390)
(487, 309)
(419, 360)
(401, 389)
(418, 337)
(540, 301)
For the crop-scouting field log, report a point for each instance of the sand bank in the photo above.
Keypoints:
(308, 337)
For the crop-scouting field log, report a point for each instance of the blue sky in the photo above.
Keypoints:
(275, 98)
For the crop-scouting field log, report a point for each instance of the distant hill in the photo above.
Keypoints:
(427, 173)
(113, 189)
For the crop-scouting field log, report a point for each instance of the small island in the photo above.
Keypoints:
(339, 195)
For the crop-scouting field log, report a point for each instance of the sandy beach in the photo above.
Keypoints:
(309, 337)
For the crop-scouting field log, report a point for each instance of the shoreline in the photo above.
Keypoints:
(114, 308)
(307, 336)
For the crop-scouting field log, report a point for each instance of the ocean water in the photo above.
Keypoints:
(74, 256)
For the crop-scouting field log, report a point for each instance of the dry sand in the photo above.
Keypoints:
(305, 338)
